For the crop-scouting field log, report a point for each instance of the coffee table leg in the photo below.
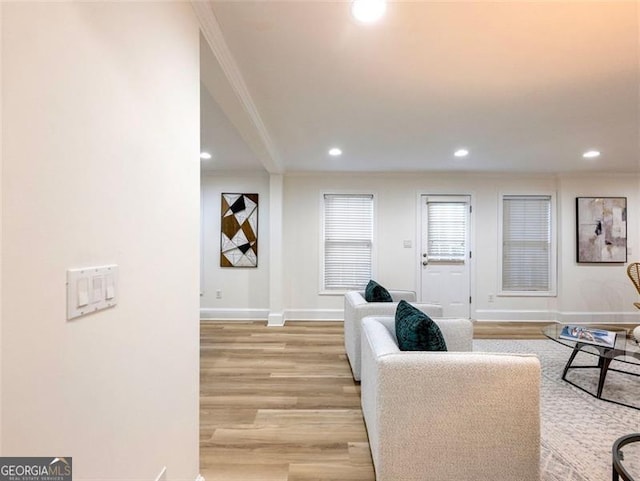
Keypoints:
(576, 349)
(603, 374)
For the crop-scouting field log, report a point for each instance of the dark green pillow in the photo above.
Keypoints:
(374, 292)
(416, 331)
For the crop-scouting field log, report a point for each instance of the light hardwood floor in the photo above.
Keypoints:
(279, 403)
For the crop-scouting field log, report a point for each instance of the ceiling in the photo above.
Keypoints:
(524, 86)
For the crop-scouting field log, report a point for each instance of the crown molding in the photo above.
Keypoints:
(212, 33)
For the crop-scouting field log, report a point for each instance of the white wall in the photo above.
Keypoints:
(245, 291)
(396, 221)
(100, 165)
(596, 291)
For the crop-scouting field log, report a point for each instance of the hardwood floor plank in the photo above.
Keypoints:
(309, 416)
(226, 416)
(360, 454)
(269, 453)
(290, 434)
(248, 401)
(330, 472)
(246, 472)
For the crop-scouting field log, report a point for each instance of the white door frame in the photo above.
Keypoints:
(418, 250)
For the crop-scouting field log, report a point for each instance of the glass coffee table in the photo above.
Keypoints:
(625, 350)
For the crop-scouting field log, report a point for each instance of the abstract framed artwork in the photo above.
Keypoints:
(601, 229)
(239, 230)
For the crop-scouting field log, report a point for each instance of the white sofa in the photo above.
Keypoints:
(449, 416)
(356, 308)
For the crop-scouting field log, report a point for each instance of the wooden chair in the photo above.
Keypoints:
(633, 271)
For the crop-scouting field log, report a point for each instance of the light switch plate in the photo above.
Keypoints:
(91, 289)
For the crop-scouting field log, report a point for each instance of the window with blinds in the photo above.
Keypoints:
(348, 241)
(527, 244)
(446, 231)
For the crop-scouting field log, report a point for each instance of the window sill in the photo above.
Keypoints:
(527, 294)
(335, 293)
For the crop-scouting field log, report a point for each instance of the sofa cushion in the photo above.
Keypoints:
(374, 292)
(416, 331)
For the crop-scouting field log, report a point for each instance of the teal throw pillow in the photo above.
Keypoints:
(374, 292)
(416, 331)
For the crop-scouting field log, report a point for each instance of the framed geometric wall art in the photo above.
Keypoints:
(239, 230)
(601, 229)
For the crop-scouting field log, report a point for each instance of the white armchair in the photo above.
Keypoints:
(356, 308)
(449, 416)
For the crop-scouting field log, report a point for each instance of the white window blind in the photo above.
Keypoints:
(446, 231)
(348, 240)
(526, 243)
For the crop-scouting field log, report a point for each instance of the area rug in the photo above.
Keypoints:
(578, 430)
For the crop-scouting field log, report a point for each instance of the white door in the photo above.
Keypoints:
(445, 255)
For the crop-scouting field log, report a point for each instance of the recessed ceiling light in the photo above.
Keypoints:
(461, 153)
(368, 11)
(205, 155)
(591, 154)
(335, 152)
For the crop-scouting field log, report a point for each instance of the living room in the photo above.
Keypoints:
(101, 103)
(523, 98)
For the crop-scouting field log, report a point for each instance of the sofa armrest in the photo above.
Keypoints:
(458, 334)
(353, 315)
(398, 295)
(389, 309)
(431, 310)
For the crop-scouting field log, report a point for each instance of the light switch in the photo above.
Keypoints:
(111, 287)
(83, 292)
(91, 289)
(97, 286)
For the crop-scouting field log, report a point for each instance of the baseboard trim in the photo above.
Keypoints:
(272, 318)
(314, 314)
(486, 315)
(599, 317)
(208, 314)
(276, 319)
(514, 315)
